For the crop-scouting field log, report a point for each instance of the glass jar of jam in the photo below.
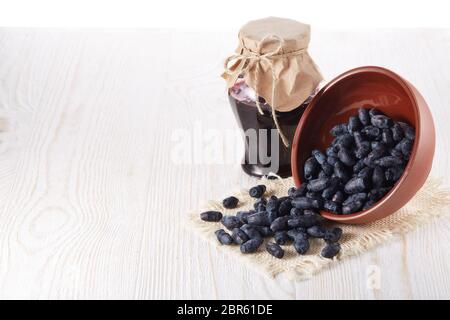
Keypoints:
(271, 79)
(259, 158)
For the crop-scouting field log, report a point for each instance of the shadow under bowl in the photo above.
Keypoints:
(341, 98)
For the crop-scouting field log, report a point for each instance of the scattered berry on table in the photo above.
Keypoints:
(251, 231)
(257, 191)
(251, 245)
(211, 216)
(330, 250)
(316, 231)
(230, 202)
(280, 224)
(301, 245)
(281, 237)
(259, 219)
(231, 222)
(239, 236)
(332, 236)
(275, 250)
(223, 237)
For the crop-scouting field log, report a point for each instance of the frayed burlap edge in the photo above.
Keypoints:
(431, 202)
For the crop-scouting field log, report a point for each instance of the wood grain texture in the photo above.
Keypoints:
(91, 201)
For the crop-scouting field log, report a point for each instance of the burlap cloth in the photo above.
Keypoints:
(431, 202)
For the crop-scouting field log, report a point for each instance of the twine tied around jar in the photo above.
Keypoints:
(239, 64)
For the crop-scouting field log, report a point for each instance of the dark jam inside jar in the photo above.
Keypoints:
(261, 155)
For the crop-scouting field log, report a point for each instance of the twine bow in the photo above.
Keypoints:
(238, 64)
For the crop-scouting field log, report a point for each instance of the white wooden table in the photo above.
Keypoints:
(92, 201)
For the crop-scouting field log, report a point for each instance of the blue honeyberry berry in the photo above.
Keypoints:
(311, 168)
(319, 156)
(223, 237)
(211, 216)
(259, 219)
(338, 197)
(361, 196)
(331, 250)
(327, 169)
(275, 250)
(339, 129)
(352, 207)
(318, 184)
(344, 141)
(230, 202)
(251, 245)
(284, 208)
(257, 191)
(301, 245)
(386, 137)
(304, 221)
(368, 204)
(239, 236)
(272, 203)
(281, 237)
(332, 206)
(331, 151)
(251, 231)
(355, 185)
(392, 174)
(291, 192)
(381, 121)
(243, 215)
(375, 112)
(354, 124)
(333, 235)
(358, 137)
(377, 177)
(365, 174)
(306, 203)
(280, 223)
(295, 212)
(408, 131)
(329, 192)
(301, 191)
(359, 166)
(264, 231)
(397, 132)
(364, 116)
(346, 157)
(297, 233)
(341, 171)
(231, 222)
(316, 231)
(388, 161)
(371, 132)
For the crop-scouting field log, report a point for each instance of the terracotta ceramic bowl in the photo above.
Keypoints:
(338, 100)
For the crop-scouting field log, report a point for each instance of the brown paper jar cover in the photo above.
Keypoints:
(272, 58)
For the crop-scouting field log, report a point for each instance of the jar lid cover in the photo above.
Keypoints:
(272, 58)
(295, 35)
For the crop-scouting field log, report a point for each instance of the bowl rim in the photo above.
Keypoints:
(295, 145)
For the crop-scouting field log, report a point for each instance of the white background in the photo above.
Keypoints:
(87, 183)
(222, 14)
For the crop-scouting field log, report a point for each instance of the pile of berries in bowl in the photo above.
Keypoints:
(372, 134)
(363, 162)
